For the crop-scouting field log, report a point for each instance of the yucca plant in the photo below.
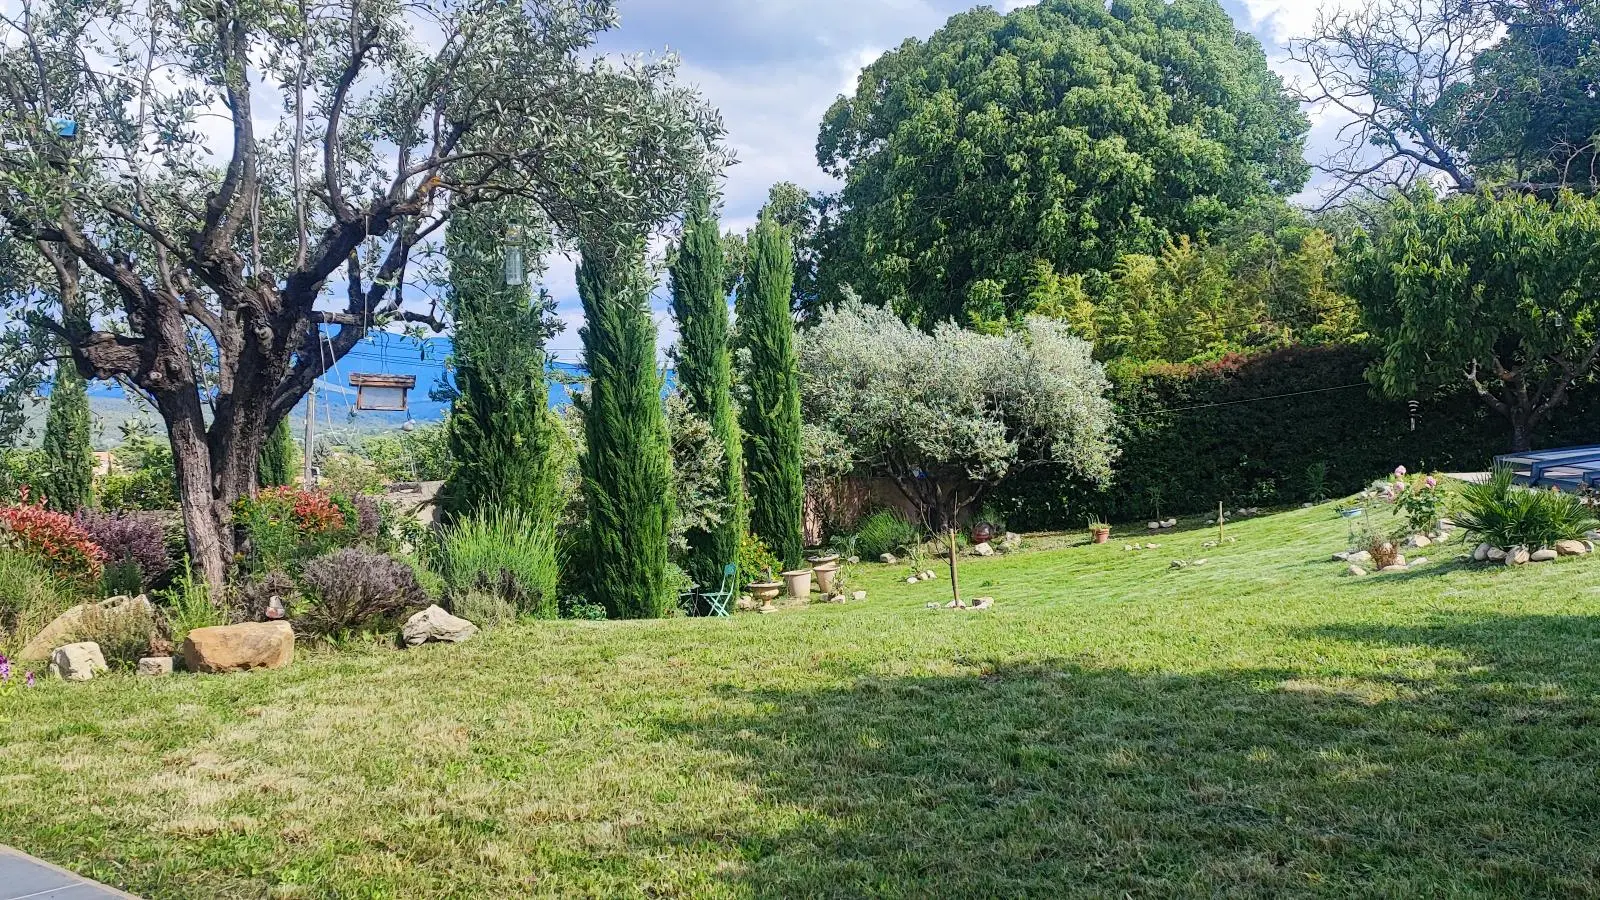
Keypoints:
(506, 553)
(1501, 513)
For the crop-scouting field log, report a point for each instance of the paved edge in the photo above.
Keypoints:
(12, 855)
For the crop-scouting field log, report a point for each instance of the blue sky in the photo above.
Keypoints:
(774, 66)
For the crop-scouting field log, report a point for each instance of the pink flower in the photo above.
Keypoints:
(29, 680)
(1400, 471)
(1430, 482)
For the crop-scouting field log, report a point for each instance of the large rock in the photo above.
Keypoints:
(1571, 548)
(1495, 554)
(155, 666)
(1481, 552)
(70, 623)
(982, 549)
(1418, 541)
(235, 648)
(1518, 556)
(1543, 554)
(434, 624)
(77, 662)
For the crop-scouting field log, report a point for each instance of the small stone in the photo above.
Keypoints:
(1481, 552)
(1356, 571)
(858, 595)
(1307, 505)
(837, 598)
(1419, 561)
(889, 559)
(1154, 526)
(930, 575)
(1179, 564)
(435, 625)
(745, 602)
(955, 604)
(1152, 546)
(1128, 547)
(1419, 541)
(77, 662)
(1518, 556)
(1170, 523)
(912, 579)
(933, 606)
(982, 549)
(1572, 548)
(155, 666)
(1208, 545)
(1495, 554)
(1399, 560)
(1394, 568)
(854, 560)
(1201, 562)
(1543, 554)
(983, 603)
(1341, 557)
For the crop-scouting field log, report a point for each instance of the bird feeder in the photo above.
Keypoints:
(382, 393)
(516, 264)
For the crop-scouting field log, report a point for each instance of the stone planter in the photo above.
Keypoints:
(822, 559)
(827, 574)
(764, 592)
(798, 584)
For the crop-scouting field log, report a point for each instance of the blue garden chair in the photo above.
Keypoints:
(718, 599)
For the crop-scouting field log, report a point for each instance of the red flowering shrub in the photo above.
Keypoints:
(287, 525)
(54, 539)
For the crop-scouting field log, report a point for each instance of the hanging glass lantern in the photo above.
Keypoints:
(516, 268)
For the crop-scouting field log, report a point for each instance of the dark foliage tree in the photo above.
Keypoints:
(771, 412)
(204, 287)
(277, 456)
(504, 441)
(704, 367)
(627, 478)
(1069, 133)
(68, 475)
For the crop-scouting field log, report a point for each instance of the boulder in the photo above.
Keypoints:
(1495, 554)
(1360, 557)
(1399, 560)
(982, 549)
(1543, 554)
(235, 648)
(64, 626)
(888, 559)
(155, 666)
(1154, 526)
(1356, 571)
(1571, 548)
(1418, 541)
(1481, 553)
(77, 662)
(434, 624)
(983, 603)
(1170, 523)
(1518, 556)
(858, 595)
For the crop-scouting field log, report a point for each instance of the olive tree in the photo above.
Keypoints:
(200, 180)
(948, 415)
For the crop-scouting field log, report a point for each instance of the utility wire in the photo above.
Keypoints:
(1178, 409)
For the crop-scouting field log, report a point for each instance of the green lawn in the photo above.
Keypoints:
(1257, 726)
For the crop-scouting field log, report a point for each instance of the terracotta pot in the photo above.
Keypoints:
(827, 574)
(798, 582)
(764, 592)
(1101, 535)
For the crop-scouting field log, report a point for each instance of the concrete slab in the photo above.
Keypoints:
(24, 878)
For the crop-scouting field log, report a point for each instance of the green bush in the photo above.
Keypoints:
(505, 553)
(30, 596)
(885, 531)
(756, 558)
(484, 609)
(1501, 513)
(123, 632)
(186, 605)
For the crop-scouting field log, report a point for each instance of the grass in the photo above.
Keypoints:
(1259, 726)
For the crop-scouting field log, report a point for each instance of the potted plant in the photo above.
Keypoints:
(1100, 531)
(765, 591)
(798, 582)
(827, 574)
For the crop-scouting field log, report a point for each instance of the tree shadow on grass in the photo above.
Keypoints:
(1446, 761)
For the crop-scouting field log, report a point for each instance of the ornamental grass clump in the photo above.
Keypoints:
(1503, 514)
(505, 553)
(883, 532)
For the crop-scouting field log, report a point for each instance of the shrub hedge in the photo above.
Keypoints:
(1271, 429)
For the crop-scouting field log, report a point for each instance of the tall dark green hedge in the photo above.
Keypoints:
(771, 414)
(503, 438)
(277, 457)
(627, 482)
(68, 476)
(1255, 431)
(700, 305)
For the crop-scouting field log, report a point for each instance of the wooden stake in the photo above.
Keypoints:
(955, 579)
(1219, 521)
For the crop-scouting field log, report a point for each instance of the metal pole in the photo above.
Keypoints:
(1220, 514)
(311, 430)
(955, 578)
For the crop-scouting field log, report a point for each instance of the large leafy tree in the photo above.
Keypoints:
(68, 459)
(700, 306)
(627, 476)
(1070, 133)
(951, 414)
(770, 413)
(1499, 293)
(207, 288)
(503, 437)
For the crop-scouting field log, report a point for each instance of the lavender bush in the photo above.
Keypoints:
(353, 590)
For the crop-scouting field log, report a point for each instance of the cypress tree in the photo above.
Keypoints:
(69, 461)
(503, 438)
(627, 481)
(277, 457)
(771, 416)
(700, 305)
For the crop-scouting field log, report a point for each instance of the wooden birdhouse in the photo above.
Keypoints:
(382, 393)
